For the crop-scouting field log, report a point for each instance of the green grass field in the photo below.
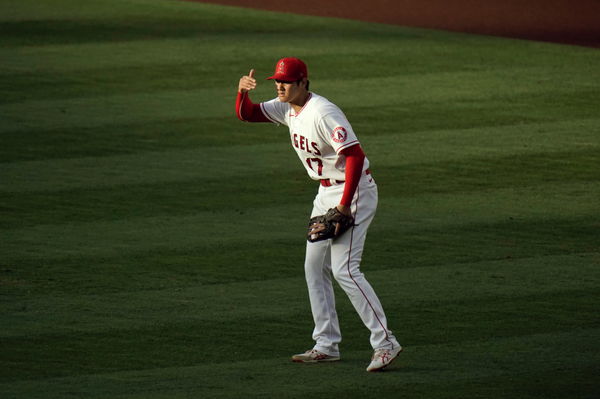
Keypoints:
(151, 245)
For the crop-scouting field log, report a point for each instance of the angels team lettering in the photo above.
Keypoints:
(303, 144)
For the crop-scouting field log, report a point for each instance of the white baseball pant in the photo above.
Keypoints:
(340, 259)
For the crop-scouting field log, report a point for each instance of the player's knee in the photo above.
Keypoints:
(313, 271)
(347, 275)
(343, 276)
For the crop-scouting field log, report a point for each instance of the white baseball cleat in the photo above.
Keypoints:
(314, 356)
(382, 358)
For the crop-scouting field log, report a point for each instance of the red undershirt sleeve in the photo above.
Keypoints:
(355, 159)
(247, 111)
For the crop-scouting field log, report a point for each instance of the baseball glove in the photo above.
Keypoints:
(330, 225)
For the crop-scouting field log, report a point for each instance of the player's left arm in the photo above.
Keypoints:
(355, 159)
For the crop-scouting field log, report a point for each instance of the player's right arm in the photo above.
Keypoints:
(247, 82)
(244, 108)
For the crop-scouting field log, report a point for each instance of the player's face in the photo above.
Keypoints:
(287, 92)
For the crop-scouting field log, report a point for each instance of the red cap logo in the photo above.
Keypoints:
(281, 68)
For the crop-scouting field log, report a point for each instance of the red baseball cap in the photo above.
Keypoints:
(290, 69)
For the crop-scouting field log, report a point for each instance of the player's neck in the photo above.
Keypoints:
(299, 102)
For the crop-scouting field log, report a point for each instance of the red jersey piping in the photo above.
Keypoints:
(347, 145)
(304, 106)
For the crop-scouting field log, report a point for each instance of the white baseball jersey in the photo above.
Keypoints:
(319, 131)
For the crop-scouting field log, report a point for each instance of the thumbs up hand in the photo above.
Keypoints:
(247, 82)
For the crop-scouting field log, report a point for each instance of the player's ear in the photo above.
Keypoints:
(303, 82)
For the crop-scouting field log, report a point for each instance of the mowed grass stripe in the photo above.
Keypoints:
(42, 25)
(186, 64)
(102, 82)
(542, 355)
(130, 138)
(188, 343)
(408, 288)
(129, 233)
(190, 337)
(108, 238)
(160, 104)
(119, 267)
(115, 110)
(418, 182)
(149, 167)
(242, 29)
(191, 67)
(33, 10)
(173, 255)
(490, 129)
(241, 157)
(44, 84)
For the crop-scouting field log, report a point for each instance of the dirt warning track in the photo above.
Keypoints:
(562, 21)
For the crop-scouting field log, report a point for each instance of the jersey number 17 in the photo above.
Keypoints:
(319, 163)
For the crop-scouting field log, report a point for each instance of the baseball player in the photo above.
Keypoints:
(331, 154)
